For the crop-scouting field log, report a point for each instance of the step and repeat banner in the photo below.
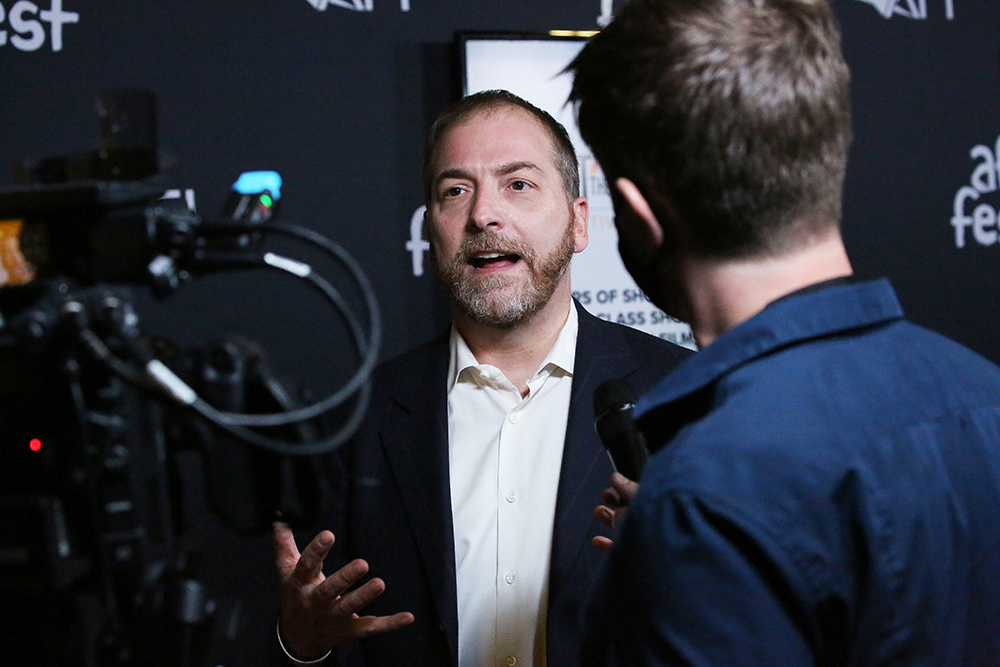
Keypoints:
(336, 95)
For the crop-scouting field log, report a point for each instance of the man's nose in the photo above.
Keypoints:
(487, 211)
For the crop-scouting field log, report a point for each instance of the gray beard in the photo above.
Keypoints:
(504, 302)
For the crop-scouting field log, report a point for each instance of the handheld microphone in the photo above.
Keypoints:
(613, 403)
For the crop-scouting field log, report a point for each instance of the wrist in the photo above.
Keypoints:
(291, 657)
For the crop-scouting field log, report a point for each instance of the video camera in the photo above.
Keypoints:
(93, 411)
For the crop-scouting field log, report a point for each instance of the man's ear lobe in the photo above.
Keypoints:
(641, 209)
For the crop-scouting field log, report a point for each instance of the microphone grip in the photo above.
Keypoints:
(624, 442)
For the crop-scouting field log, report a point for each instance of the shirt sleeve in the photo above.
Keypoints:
(692, 584)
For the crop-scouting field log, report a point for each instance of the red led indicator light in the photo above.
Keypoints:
(35, 444)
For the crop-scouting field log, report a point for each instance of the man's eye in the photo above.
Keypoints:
(520, 185)
(453, 191)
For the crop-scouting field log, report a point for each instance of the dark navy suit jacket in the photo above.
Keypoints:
(395, 509)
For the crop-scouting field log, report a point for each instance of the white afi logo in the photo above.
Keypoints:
(607, 13)
(983, 218)
(29, 33)
(353, 5)
(404, 5)
(912, 9)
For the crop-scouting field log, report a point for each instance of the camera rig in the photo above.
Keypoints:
(93, 411)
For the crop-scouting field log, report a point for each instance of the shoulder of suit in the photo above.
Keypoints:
(421, 360)
(634, 339)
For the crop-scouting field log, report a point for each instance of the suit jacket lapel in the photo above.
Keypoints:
(586, 467)
(415, 441)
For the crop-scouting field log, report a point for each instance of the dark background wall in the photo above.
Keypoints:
(338, 100)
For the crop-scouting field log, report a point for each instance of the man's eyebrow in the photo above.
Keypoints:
(511, 167)
(452, 173)
(502, 170)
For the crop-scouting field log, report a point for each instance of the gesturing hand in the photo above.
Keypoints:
(616, 499)
(317, 612)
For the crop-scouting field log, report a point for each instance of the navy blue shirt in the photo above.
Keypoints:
(826, 492)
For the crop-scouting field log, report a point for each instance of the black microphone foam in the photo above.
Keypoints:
(613, 403)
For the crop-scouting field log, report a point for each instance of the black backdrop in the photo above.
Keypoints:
(337, 100)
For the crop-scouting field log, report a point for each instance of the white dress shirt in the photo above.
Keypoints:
(505, 454)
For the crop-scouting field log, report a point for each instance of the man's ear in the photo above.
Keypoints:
(641, 211)
(581, 215)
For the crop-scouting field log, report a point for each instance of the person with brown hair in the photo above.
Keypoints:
(825, 478)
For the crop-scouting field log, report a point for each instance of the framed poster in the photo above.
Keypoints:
(531, 66)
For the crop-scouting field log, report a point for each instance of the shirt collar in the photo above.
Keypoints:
(562, 355)
(799, 317)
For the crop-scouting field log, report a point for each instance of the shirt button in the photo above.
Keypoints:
(511, 661)
(514, 418)
(484, 376)
(511, 497)
(510, 577)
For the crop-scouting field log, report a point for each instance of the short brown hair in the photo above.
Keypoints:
(491, 100)
(738, 110)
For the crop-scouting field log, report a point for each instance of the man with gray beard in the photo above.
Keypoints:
(469, 491)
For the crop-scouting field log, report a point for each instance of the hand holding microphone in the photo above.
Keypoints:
(613, 403)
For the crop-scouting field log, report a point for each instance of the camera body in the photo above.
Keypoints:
(94, 546)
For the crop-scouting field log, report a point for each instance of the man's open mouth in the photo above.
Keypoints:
(493, 258)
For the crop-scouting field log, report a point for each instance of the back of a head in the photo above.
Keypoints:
(738, 110)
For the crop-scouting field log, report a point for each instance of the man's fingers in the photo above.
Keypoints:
(341, 580)
(310, 565)
(615, 499)
(355, 601)
(368, 626)
(619, 480)
(624, 488)
(286, 553)
(602, 543)
(339, 630)
(605, 515)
